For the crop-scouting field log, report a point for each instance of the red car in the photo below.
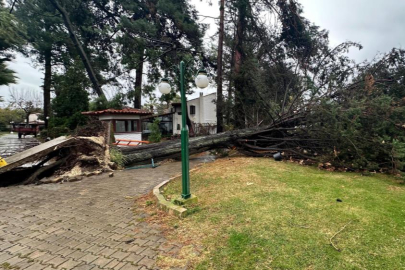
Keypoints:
(26, 129)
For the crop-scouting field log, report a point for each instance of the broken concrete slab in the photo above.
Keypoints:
(36, 153)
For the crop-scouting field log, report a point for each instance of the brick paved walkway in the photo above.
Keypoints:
(81, 225)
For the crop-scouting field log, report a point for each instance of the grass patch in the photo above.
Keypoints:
(259, 214)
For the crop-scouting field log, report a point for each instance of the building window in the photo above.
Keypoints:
(192, 109)
(178, 126)
(135, 125)
(120, 126)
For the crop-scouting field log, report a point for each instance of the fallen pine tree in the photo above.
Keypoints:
(353, 123)
(256, 141)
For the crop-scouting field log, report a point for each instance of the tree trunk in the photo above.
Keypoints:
(229, 107)
(285, 135)
(47, 85)
(76, 42)
(220, 99)
(196, 144)
(238, 61)
(138, 83)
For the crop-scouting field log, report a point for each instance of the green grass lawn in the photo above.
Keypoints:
(259, 214)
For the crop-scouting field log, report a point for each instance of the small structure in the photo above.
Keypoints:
(125, 123)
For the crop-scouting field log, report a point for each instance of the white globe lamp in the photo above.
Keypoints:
(164, 86)
(202, 80)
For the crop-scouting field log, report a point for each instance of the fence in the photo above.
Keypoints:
(204, 129)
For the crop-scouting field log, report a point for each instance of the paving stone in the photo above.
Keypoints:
(14, 260)
(133, 258)
(69, 264)
(120, 255)
(120, 265)
(84, 267)
(149, 263)
(35, 266)
(102, 261)
(112, 264)
(65, 252)
(5, 256)
(88, 258)
(83, 246)
(140, 242)
(77, 255)
(36, 254)
(14, 249)
(46, 257)
(129, 266)
(6, 245)
(25, 263)
(137, 249)
(95, 249)
(56, 261)
(149, 253)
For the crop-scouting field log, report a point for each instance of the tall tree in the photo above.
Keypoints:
(220, 99)
(155, 33)
(47, 38)
(11, 38)
(83, 55)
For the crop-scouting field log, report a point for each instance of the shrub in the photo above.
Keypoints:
(117, 157)
(155, 135)
(55, 132)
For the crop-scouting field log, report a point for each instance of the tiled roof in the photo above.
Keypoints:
(123, 111)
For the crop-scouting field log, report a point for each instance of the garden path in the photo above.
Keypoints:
(89, 224)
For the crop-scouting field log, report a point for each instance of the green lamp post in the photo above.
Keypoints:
(201, 81)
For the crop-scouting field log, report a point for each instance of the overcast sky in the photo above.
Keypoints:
(379, 25)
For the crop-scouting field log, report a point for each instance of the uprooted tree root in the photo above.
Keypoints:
(85, 154)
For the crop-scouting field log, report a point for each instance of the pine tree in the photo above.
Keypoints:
(11, 38)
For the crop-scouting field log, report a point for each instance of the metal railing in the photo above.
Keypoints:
(123, 142)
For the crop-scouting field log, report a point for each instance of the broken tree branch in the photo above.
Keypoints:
(331, 239)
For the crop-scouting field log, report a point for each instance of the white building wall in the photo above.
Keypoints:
(205, 111)
(210, 113)
(194, 117)
(135, 136)
(119, 117)
(177, 121)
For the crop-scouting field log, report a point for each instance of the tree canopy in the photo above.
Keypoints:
(11, 39)
(273, 65)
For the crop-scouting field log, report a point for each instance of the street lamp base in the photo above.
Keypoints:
(181, 201)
